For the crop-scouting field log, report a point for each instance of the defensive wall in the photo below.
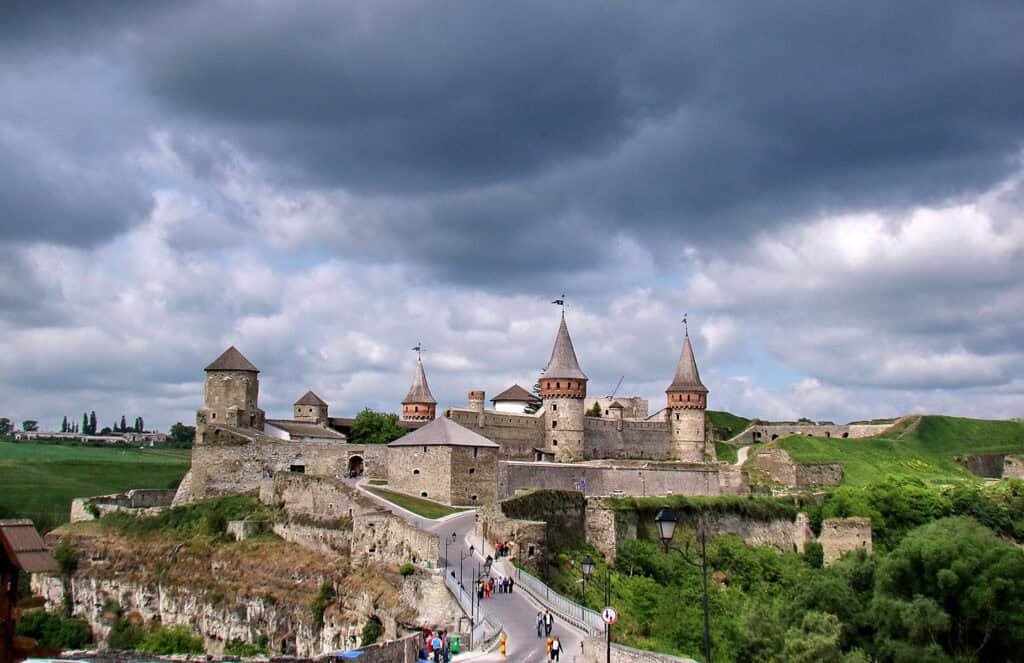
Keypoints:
(842, 535)
(536, 523)
(618, 438)
(596, 478)
(766, 432)
(780, 467)
(323, 512)
(994, 466)
(595, 650)
(518, 434)
(140, 501)
(230, 460)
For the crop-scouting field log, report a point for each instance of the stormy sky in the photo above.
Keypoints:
(834, 193)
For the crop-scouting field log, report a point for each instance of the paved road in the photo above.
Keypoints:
(516, 611)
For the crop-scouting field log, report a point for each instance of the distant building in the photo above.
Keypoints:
(514, 399)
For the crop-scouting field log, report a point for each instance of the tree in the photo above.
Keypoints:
(139, 426)
(595, 411)
(533, 406)
(183, 434)
(30, 425)
(372, 427)
(124, 425)
(5, 426)
(64, 424)
(92, 422)
(85, 423)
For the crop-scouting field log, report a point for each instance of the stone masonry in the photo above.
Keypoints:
(842, 535)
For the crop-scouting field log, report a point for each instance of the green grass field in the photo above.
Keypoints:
(727, 452)
(38, 481)
(417, 505)
(729, 422)
(923, 447)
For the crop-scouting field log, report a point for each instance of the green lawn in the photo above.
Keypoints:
(417, 505)
(923, 448)
(732, 424)
(39, 480)
(726, 452)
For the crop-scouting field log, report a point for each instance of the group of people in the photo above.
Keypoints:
(503, 548)
(490, 586)
(545, 622)
(437, 646)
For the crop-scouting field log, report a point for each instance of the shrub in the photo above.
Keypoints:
(372, 631)
(124, 635)
(51, 630)
(322, 600)
(66, 557)
(163, 641)
(407, 569)
(814, 555)
(244, 649)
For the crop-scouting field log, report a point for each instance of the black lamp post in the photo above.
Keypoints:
(667, 520)
(446, 542)
(474, 613)
(588, 566)
(464, 557)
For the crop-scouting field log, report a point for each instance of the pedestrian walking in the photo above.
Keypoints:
(556, 648)
(511, 585)
(540, 624)
(436, 646)
(549, 621)
(480, 590)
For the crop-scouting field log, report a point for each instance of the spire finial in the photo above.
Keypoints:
(686, 325)
(419, 350)
(561, 302)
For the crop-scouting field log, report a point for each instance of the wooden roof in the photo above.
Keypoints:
(24, 548)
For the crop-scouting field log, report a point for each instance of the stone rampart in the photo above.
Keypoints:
(144, 502)
(404, 650)
(842, 535)
(608, 438)
(781, 468)
(614, 478)
(382, 536)
(1013, 467)
(529, 537)
(595, 650)
(770, 431)
(330, 541)
(518, 434)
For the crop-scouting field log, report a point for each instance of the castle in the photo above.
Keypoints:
(470, 454)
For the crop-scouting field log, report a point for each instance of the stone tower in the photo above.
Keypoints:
(563, 386)
(419, 403)
(231, 394)
(311, 409)
(687, 399)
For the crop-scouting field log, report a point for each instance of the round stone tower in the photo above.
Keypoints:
(687, 399)
(476, 400)
(419, 403)
(563, 386)
(231, 394)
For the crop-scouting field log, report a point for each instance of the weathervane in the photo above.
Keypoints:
(419, 350)
(686, 325)
(561, 302)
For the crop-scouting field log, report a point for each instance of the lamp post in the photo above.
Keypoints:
(667, 520)
(588, 566)
(474, 612)
(446, 542)
(464, 556)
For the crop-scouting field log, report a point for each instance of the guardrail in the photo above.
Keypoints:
(487, 628)
(581, 616)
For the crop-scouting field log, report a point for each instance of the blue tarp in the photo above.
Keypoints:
(347, 654)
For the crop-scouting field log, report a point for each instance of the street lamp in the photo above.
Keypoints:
(667, 520)
(446, 542)
(588, 566)
(464, 556)
(474, 614)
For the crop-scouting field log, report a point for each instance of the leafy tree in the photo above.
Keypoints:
(815, 640)
(183, 434)
(371, 427)
(106, 430)
(533, 406)
(64, 424)
(124, 635)
(5, 426)
(164, 641)
(124, 424)
(50, 630)
(814, 555)
(85, 423)
(30, 425)
(92, 422)
(595, 411)
(372, 631)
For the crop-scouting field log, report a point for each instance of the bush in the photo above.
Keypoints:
(372, 631)
(163, 641)
(51, 630)
(814, 555)
(66, 557)
(322, 600)
(407, 570)
(124, 635)
(244, 649)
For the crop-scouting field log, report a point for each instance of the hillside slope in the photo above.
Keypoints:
(924, 447)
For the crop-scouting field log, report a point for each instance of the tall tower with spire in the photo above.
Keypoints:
(563, 386)
(419, 403)
(687, 399)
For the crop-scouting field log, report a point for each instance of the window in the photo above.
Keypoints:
(558, 385)
(475, 450)
(298, 469)
(415, 471)
(424, 450)
(472, 498)
(213, 415)
(554, 443)
(423, 494)
(554, 424)
(677, 416)
(417, 408)
(554, 407)
(606, 413)
(472, 470)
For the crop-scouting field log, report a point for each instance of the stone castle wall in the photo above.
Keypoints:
(139, 501)
(633, 407)
(1013, 467)
(421, 471)
(842, 535)
(474, 475)
(769, 432)
(781, 468)
(595, 650)
(518, 434)
(618, 478)
(608, 438)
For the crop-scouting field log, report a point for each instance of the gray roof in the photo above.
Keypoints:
(616, 406)
(563, 362)
(306, 429)
(24, 548)
(419, 392)
(232, 360)
(687, 378)
(443, 432)
(515, 393)
(309, 398)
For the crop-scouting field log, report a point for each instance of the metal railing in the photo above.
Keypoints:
(581, 616)
(487, 627)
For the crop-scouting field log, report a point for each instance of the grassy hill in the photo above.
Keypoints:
(40, 480)
(917, 446)
(730, 423)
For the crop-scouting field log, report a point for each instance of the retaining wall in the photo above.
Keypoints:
(592, 479)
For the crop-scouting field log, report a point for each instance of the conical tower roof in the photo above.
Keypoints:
(419, 392)
(232, 360)
(309, 398)
(563, 363)
(687, 378)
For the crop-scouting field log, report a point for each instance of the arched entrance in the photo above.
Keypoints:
(355, 466)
